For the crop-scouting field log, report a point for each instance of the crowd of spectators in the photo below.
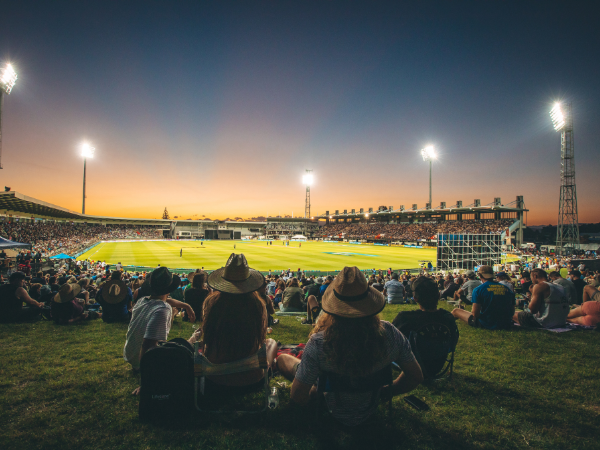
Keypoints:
(52, 238)
(413, 231)
(342, 313)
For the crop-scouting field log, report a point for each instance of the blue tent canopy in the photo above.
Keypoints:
(5, 243)
(61, 256)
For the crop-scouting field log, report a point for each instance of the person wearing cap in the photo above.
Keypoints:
(465, 292)
(151, 318)
(350, 339)
(548, 307)
(575, 277)
(66, 310)
(493, 304)
(115, 298)
(234, 325)
(12, 297)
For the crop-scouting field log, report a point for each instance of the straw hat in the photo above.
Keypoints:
(236, 277)
(67, 292)
(350, 296)
(114, 291)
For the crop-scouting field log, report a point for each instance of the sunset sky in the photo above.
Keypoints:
(216, 108)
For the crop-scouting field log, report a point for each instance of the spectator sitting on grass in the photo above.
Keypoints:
(115, 298)
(12, 296)
(493, 304)
(426, 295)
(575, 276)
(349, 339)
(325, 285)
(235, 325)
(196, 295)
(293, 296)
(548, 307)
(151, 319)
(66, 310)
(394, 291)
(567, 285)
(588, 313)
(503, 278)
(465, 293)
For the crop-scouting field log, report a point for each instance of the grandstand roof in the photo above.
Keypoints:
(15, 203)
(469, 209)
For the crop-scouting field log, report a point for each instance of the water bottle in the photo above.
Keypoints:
(273, 398)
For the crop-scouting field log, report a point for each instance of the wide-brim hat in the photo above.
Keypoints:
(114, 291)
(350, 296)
(163, 281)
(486, 272)
(67, 292)
(236, 277)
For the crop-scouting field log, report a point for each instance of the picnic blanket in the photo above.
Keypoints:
(294, 349)
(290, 313)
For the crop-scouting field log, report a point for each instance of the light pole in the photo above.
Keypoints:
(8, 78)
(307, 180)
(87, 151)
(428, 154)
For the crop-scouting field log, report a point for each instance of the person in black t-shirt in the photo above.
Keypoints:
(427, 295)
(575, 276)
(12, 296)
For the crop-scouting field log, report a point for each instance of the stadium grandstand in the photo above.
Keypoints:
(402, 225)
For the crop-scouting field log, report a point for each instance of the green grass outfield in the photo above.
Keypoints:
(67, 387)
(214, 254)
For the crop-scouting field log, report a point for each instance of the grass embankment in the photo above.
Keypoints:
(68, 387)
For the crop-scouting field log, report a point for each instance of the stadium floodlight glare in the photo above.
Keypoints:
(428, 154)
(307, 180)
(8, 78)
(87, 151)
(558, 117)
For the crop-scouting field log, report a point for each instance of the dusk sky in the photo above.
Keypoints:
(215, 109)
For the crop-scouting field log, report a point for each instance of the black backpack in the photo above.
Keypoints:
(167, 382)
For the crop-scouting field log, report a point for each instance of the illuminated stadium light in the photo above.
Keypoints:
(428, 153)
(367, 215)
(307, 179)
(8, 78)
(558, 117)
(87, 151)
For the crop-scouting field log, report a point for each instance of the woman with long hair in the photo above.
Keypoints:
(235, 322)
(349, 339)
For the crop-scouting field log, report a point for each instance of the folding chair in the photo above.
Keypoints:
(203, 368)
(332, 382)
(433, 345)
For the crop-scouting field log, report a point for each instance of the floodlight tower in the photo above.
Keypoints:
(568, 223)
(307, 180)
(8, 78)
(428, 154)
(87, 151)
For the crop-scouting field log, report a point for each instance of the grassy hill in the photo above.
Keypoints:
(69, 388)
